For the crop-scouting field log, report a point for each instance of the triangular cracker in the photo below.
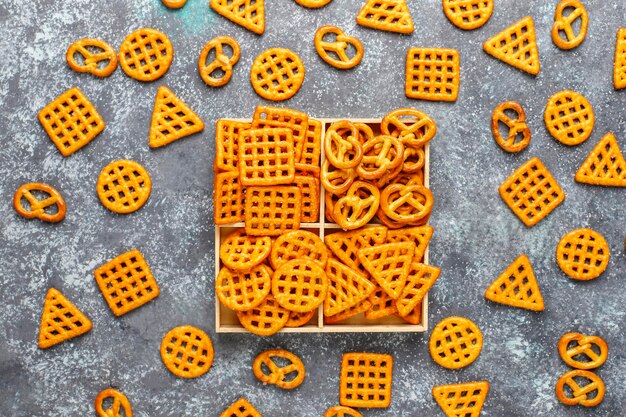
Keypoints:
(389, 265)
(345, 245)
(60, 320)
(619, 68)
(421, 277)
(461, 400)
(419, 235)
(381, 305)
(517, 287)
(389, 15)
(247, 13)
(517, 46)
(346, 288)
(605, 165)
(172, 119)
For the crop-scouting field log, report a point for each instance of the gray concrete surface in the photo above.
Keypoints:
(476, 235)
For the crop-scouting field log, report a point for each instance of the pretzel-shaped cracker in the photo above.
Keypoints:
(358, 206)
(365, 132)
(120, 404)
(565, 24)
(413, 127)
(277, 74)
(580, 395)
(342, 146)
(38, 207)
(279, 375)
(455, 342)
(336, 181)
(187, 352)
(381, 154)
(517, 126)
(241, 252)
(340, 411)
(574, 345)
(414, 160)
(338, 48)
(299, 285)
(146, 54)
(91, 61)
(221, 62)
(406, 203)
(174, 4)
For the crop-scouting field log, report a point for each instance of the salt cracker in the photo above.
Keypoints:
(71, 121)
(408, 204)
(313, 4)
(276, 117)
(249, 14)
(413, 127)
(420, 279)
(227, 135)
(518, 135)
(619, 66)
(299, 319)
(346, 245)
(299, 285)
(126, 282)
(414, 317)
(335, 51)
(266, 319)
(313, 144)
(605, 164)
(242, 291)
(172, 119)
(516, 46)
(381, 154)
(433, 74)
(241, 408)
(355, 209)
(517, 287)
(420, 235)
(565, 24)
(241, 252)
(60, 320)
(389, 265)
(270, 371)
(340, 411)
(228, 198)
(583, 254)
(388, 15)
(468, 14)
(341, 145)
(381, 305)
(272, 211)
(267, 157)
(310, 190)
(119, 404)
(146, 54)
(42, 209)
(461, 400)
(346, 314)
(222, 61)
(97, 57)
(277, 74)
(531, 192)
(299, 244)
(347, 288)
(583, 352)
(455, 342)
(366, 380)
(123, 186)
(569, 117)
(187, 352)
(590, 394)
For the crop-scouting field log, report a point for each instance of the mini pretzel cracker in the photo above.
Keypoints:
(120, 404)
(411, 126)
(123, 186)
(419, 235)
(312, 144)
(98, 57)
(517, 287)
(71, 121)
(517, 127)
(346, 245)
(242, 253)
(531, 192)
(285, 377)
(339, 411)
(126, 282)
(335, 52)
(222, 62)
(455, 342)
(265, 319)
(313, 4)
(37, 208)
(420, 279)
(60, 320)
(461, 400)
(516, 46)
(249, 14)
(272, 211)
(310, 188)
(619, 66)
(583, 254)
(573, 347)
(174, 4)
(241, 408)
(299, 244)
(389, 265)
(146, 54)
(277, 74)
(242, 291)
(366, 380)
(468, 14)
(187, 352)
(228, 198)
(299, 285)
(406, 203)
(341, 145)
(605, 165)
(588, 395)
(357, 207)
(267, 157)
(336, 181)
(346, 314)
(227, 135)
(347, 288)
(276, 117)
(569, 117)
(381, 154)
(389, 15)
(414, 160)
(433, 74)
(172, 119)
(299, 319)
(564, 24)
(381, 305)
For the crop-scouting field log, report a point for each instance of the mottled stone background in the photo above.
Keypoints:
(476, 235)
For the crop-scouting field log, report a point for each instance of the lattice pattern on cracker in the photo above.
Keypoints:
(124, 186)
(455, 342)
(241, 408)
(346, 314)
(583, 254)
(242, 291)
(299, 244)
(241, 252)
(265, 319)
(277, 74)
(299, 285)
(60, 320)
(605, 165)
(266, 157)
(172, 119)
(227, 135)
(432, 74)
(187, 352)
(272, 211)
(146, 54)
(249, 14)
(381, 305)
(468, 14)
(310, 188)
(228, 198)
(420, 235)
(312, 144)
(366, 380)
(517, 287)
(619, 71)
(516, 46)
(346, 245)
(569, 117)
(461, 400)
(389, 265)
(389, 15)
(275, 117)
(346, 288)
(420, 279)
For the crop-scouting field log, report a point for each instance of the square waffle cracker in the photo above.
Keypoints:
(365, 380)
(389, 15)
(419, 235)
(516, 46)
(60, 320)
(272, 211)
(276, 117)
(389, 265)
(71, 121)
(241, 408)
(420, 279)
(310, 187)
(249, 14)
(172, 119)
(432, 74)
(312, 144)
(461, 400)
(619, 67)
(605, 165)
(531, 192)
(517, 287)
(346, 245)
(227, 134)
(228, 198)
(347, 288)
(126, 282)
(266, 157)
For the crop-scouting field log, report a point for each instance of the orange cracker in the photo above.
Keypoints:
(119, 404)
(174, 4)
(227, 135)
(299, 244)
(218, 72)
(339, 411)
(277, 74)
(583, 352)
(313, 4)
(187, 352)
(413, 127)
(346, 314)
(569, 117)
(389, 265)
(419, 235)
(433, 74)
(517, 287)
(97, 57)
(518, 135)
(420, 279)
(355, 209)
(605, 165)
(172, 119)
(228, 198)
(414, 317)
(71, 121)
(619, 66)
(455, 342)
(241, 408)
(461, 400)
(270, 371)
(41, 208)
(275, 117)
(516, 46)
(60, 320)
(347, 288)
(266, 157)
(565, 24)
(331, 44)
(126, 282)
(299, 319)
(310, 188)
(531, 192)
(346, 245)
(312, 144)
(388, 15)
(408, 204)
(242, 291)
(242, 253)
(590, 394)
(468, 14)
(366, 380)
(381, 305)
(272, 211)
(265, 319)
(123, 186)
(146, 54)
(249, 14)
(583, 254)
(299, 285)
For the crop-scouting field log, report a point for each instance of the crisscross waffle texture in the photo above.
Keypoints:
(276, 117)
(310, 190)
(366, 380)
(346, 288)
(588, 395)
(299, 244)
(71, 121)
(126, 282)
(414, 316)
(60, 320)
(339, 411)
(517, 287)
(241, 252)
(265, 319)
(277, 74)
(455, 342)
(389, 15)
(346, 245)
(531, 192)
(346, 314)
(241, 408)
(565, 24)
(619, 66)
(461, 400)
(516, 125)
(146, 54)
(516, 46)
(312, 144)
(124, 186)
(98, 57)
(172, 119)
(299, 285)
(419, 235)
(433, 74)
(583, 254)
(249, 14)
(605, 164)
(299, 319)
(569, 117)
(120, 406)
(37, 208)
(281, 376)
(381, 305)
(579, 350)
(468, 14)
(389, 265)
(187, 352)
(267, 157)
(420, 279)
(227, 136)
(242, 291)
(228, 198)
(272, 211)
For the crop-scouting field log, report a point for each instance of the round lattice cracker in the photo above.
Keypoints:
(299, 285)
(174, 4)
(124, 186)
(146, 54)
(265, 319)
(270, 371)
(299, 319)
(277, 74)
(242, 291)
(241, 252)
(341, 411)
(569, 117)
(187, 352)
(455, 342)
(313, 4)
(582, 254)
(299, 244)
(468, 14)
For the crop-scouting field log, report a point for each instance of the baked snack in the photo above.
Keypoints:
(619, 66)
(341, 145)
(187, 352)
(389, 265)
(583, 254)
(407, 204)
(312, 144)
(267, 157)
(583, 352)
(229, 198)
(222, 62)
(272, 211)
(569, 117)
(241, 252)
(381, 305)
(605, 165)
(413, 127)
(433, 74)
(277, 74)
(249, 14)
(265, 319)
(172, 119)
(310, 189)
(388, 15)
(518, 136)
(60, 320)
(565, 24)
(365, 380)
(357, 207)
(313, 4)
(227, 135)
(461, 400)
(455, 342)
(517, 287)
(97, 57)
(299, 285)
(468, 14)
(299, 244)
(174, 4)
(42, 209)
(419, 235)
(420, 279)
(299, 319)
(123, 186)
(146, 54)
(241, 408)
(243, 290)
(346, 288)
(119, 404)
(516, 46)
(381, 154)
(277, 117)
(346, 314)
(270, 371)
(340, 411)
(335, 52)
(346, 245)
(588, 395)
